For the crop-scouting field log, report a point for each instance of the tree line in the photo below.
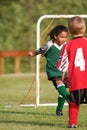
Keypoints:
(18, 20)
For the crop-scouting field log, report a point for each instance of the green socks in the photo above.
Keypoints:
(63, 91)
(61, 102)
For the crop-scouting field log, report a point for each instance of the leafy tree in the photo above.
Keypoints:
(18, 19)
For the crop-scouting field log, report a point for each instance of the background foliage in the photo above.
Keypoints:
(18, 19)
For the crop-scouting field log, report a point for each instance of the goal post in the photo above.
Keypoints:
(38, 56)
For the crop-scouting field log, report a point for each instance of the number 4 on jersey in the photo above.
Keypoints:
(79, 59)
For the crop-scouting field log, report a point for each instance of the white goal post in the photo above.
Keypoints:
(38, 56)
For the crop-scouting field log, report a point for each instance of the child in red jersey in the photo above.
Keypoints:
(74, 58)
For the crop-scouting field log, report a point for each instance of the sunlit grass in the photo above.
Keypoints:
(13, 89)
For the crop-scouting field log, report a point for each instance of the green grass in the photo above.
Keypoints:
(13, 89)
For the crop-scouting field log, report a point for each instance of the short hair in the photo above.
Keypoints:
(76, 25)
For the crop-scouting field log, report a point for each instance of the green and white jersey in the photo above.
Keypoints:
(52, 52)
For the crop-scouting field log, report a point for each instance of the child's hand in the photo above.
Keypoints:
(31, 53)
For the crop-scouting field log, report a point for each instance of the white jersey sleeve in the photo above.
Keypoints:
(62, 64)
(43, 50)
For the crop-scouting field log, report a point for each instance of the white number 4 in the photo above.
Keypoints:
(79, 59)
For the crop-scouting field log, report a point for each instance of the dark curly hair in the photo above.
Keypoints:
(56, 30)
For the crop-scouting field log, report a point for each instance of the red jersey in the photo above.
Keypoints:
(74, 59)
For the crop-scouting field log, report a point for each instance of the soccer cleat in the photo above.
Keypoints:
(72, 126)
(59, 113)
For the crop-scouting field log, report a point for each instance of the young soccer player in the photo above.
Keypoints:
(74, 57)
(51, 50)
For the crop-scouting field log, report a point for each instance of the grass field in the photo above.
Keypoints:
(15, 89)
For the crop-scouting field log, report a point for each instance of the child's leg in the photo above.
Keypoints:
(73, 113)
(61, 102)
(63, 91)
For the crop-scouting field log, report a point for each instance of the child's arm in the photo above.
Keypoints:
(42, 50)
(63, 76)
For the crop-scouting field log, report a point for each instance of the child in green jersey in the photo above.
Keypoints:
(51, 50)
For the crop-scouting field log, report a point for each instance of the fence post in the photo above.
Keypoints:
(2, 65)
(17, 64)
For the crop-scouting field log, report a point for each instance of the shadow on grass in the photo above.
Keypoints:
(37, 123)
(32, 123)
(31, 113)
